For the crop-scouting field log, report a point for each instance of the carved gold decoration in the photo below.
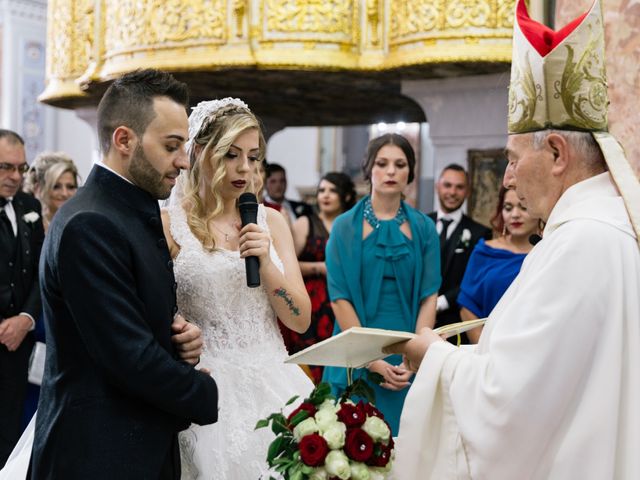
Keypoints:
(69, 50)
(304, 16)
(110, 37)
(373, 16)
(239, 10)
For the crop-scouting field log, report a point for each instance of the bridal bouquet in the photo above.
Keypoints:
(325, 439)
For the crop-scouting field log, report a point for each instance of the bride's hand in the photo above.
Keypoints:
(255, 242)
(188, 340)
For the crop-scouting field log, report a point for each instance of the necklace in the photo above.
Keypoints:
(226, 235)
(374, 221)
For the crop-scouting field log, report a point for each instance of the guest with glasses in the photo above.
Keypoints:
(21, 236)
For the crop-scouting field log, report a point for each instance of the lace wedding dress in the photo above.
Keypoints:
(244, 351)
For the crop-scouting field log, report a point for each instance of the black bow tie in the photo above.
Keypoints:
(3, 202)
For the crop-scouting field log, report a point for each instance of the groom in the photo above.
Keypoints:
(117, 386)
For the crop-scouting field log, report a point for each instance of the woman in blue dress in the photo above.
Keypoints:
(383, 268)
(494, 264)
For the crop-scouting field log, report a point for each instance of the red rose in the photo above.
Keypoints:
(351, 415)
(308, 407)
(358, 445)
(381, 455)
(369, 410)
(313, 450)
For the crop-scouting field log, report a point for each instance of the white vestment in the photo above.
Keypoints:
(552, 391)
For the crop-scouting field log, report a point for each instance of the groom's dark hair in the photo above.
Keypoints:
(129, 102)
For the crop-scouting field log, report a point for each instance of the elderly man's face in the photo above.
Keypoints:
(12, 167)
(529, 174)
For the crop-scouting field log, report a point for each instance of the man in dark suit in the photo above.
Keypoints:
(458, 235)
(116, 391)
(276, 186)
(21, 236)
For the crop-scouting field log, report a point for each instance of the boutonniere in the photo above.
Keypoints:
(31, 217)
(299, 209)
(465, 238)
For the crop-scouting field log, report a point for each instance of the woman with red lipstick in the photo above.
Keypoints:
(494, 264)
(336, 194)
(383, 268)
(242, 348)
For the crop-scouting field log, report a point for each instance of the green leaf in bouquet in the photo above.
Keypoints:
(275, 448)
(291, 400)
(320, 393)
(307, 470)
(299, 417)
(297, 475)
(374, 377)
(279, 423)
(262, 424)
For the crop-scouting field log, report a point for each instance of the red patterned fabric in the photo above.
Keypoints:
(541, 37)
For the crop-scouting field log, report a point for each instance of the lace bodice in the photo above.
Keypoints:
(213, 293)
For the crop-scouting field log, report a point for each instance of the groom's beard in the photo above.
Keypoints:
(145, 176)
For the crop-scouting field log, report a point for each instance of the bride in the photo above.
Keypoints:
(243, 348)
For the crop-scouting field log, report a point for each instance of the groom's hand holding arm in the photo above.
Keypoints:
(415, 349)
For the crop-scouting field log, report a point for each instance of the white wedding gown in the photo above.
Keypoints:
(244, 351)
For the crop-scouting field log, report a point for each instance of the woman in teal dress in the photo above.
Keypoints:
(383, 268)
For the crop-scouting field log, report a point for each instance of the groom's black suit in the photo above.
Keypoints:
(114, 395)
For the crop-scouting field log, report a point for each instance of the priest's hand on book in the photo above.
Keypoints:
(414, 350)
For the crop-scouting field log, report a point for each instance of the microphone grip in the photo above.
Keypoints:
(252, 265)
(249, 214)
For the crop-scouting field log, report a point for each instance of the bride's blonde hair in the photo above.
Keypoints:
(207, 151)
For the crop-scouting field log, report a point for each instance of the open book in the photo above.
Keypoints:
(359, 346)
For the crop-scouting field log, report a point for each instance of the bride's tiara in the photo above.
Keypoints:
(205, 109)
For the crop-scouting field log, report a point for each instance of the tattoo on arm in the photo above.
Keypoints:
(282, 293)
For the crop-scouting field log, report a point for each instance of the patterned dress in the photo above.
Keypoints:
(322, 318)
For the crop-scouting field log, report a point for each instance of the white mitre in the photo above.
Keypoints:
(559, 81)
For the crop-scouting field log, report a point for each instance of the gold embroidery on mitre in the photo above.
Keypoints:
(567, 88)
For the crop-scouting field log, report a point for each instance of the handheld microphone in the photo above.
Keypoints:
(248, 205)
(534, 239)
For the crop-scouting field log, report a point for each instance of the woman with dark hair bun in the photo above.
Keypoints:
(383, 268)
(336, 194)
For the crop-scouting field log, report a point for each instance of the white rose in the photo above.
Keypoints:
(31, 217)
(466, 235)
(376, 428)
(318, 474)
(337, 465)
(335, 435)
(304, 428)
(359, 471)
(328, 404)
(377, 474)
(325, 419)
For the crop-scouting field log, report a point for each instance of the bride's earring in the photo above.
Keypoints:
(504, 230)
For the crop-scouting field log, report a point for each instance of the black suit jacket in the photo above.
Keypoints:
(19, 290)
(456, 256)
(113, 395)
(300, 209)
